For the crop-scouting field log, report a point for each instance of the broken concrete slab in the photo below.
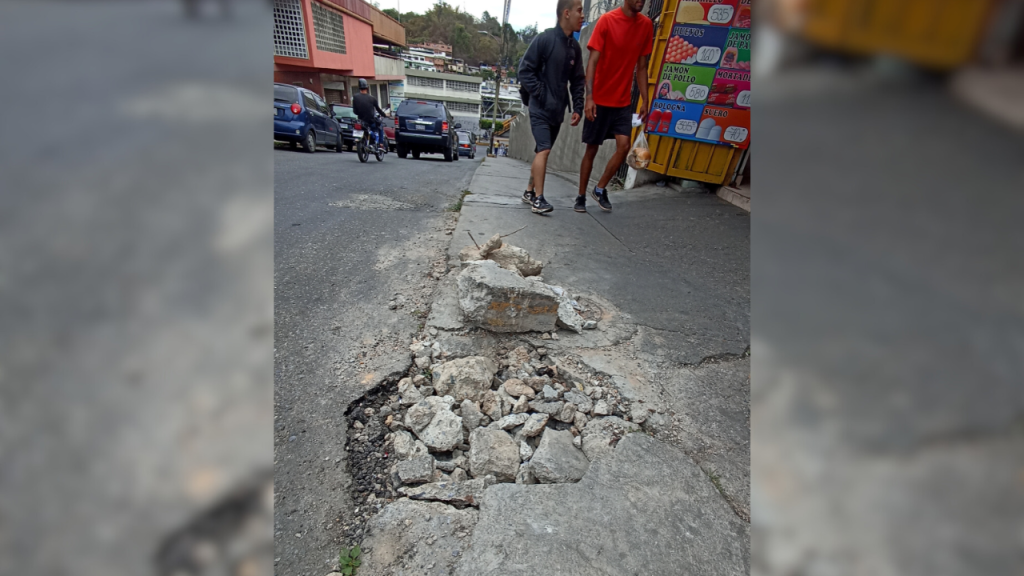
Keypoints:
(516, 259)
(516, 388)
(493, 452)
(458, 494)
(658, 514)
(492, 244)
(602, 434)
(416, 470)
(406, 446)
(443, 433)
(417, 534)
(502, 301)
(465, 378)
(557, 460)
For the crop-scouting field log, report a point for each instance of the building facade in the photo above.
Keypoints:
(460, 94)
(509, 101)
(327, 46)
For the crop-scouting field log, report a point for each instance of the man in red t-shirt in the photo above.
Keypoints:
(619, 48)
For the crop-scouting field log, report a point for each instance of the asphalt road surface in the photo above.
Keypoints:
(349, 239)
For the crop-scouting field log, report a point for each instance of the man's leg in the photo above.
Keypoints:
(537, 171)
(531, 184)
(587, 166)
(621, 150)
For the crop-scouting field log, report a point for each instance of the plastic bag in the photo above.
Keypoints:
(640, 156)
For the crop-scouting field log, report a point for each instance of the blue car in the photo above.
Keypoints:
(301, 117)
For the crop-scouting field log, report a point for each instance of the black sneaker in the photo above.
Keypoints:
(581, 203)
(541, 206)
(529, 196)
(602, 200)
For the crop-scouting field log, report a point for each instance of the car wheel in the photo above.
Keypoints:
(416, 154)
(448, 155)
(310, 144)
(341, 145)
(403, 152)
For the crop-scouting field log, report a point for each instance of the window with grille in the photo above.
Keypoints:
(329, 29)
(289, 29)
(463, 86)
(462, 107)
(428, 82)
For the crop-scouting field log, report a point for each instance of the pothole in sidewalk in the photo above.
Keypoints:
(451, 427)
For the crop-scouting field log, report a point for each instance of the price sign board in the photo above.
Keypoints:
(674, 119)
(736, 55)
(703, 91)
(681, 82)
(724, 126)
(731, 89)
(692, 44)
(742, 19)
(706, 12)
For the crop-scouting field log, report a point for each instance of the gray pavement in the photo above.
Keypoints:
(676, 262)
(667, 275)
(349, 238)
(888, 329)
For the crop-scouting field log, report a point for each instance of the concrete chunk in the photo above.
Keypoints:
(556, 460)
(502, 301)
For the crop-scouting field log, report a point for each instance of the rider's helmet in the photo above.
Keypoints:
(363, 84)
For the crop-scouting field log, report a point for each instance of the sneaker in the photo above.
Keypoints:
(602, 199)
(529, 196)
(581, 203)
(541, 206)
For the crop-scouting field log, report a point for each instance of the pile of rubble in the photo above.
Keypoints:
(453, 428)
(500, 289)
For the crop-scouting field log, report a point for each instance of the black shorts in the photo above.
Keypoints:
(544, 132)
(609, 123)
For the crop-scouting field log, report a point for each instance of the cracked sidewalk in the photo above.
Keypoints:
(667, 273)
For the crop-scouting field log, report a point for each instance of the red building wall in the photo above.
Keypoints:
(358, 62)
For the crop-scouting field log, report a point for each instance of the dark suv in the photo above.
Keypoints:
(426, 126)
(300, 116)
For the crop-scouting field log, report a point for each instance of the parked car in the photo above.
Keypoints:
(467, 144)
(389, 130)
(301, 117)
(424, 126)
(347, 118)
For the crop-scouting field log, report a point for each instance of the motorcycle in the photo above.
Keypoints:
(371, 142)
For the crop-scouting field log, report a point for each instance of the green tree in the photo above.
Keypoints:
(393, 13)
(461, 42)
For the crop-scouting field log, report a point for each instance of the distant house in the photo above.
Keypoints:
(327, 49)
(460, 94)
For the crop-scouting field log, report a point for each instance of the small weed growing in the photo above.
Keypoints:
(717, 481)
(457, 207)
(349, 560)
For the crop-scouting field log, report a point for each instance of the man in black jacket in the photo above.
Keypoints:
(365, 108)
(553, 61)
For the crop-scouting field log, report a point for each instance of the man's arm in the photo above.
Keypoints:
(577, 85)
(376, 106)
(641, 81)
(529, 68)
(590, 107)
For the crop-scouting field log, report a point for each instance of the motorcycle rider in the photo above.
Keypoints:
(365, 107)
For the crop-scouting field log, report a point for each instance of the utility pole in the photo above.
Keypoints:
(497, 77)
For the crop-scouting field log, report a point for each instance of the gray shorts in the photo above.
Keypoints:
(544, 132)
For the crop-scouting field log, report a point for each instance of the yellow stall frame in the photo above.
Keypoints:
(700, 161)
(936, 34)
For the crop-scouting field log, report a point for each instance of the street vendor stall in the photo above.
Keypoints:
(698, 125)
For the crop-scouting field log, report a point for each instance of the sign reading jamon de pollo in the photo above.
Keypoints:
(703, 90)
